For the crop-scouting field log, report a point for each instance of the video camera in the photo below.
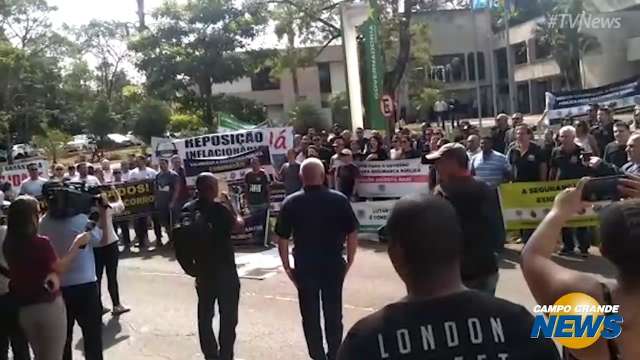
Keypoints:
(67, 199)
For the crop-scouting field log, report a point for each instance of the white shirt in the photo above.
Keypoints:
(146, 174)
(108, 177)
(4, 282)
(90, 180)
(584, 143)
(115, 209)
(32, 187)
(440, 106)
(125, 176)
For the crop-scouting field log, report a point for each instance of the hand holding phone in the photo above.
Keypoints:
(603, 188)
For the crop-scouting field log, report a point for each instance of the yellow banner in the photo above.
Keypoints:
(524, 205)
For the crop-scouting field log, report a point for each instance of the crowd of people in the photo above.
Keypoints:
(441, 244)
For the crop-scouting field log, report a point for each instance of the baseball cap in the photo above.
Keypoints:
(346, 152)
(451, 150)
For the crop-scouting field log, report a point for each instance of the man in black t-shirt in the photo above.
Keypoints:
(214, 265)
(568, 162)
(439, 318)
(604, 131)
(321, 221)
(499, 133)
(257, 195)
(346, 174)
(616, 151)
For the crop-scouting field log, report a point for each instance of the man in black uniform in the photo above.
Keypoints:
(320, 221)
(257, 195)
(568, 162)
(439, 318)
(214, 265)
(499, 133)
(604, 131)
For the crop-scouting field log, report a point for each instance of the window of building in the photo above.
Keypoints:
(471, 61)
(543, 50)
(324, 76)
(448, 68)
(519, 53)
(262, 80)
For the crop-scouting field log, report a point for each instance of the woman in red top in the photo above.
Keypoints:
(34, 269)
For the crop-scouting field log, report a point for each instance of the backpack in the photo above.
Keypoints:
(185, 234)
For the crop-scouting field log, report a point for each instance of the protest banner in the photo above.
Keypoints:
(392, 178)
(560, 105)
(524, 205)
(16, 173)
(372, 214)
(138, 199)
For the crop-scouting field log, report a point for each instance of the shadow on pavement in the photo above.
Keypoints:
(110, 332)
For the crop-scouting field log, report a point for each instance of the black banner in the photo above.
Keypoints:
(193, 167)
(138, 198)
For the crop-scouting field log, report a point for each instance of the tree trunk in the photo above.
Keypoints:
(204, 86)
(293, 63)
(141, 16)
(393, 78)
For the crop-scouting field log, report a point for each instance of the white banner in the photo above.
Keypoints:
(392, 178)
(372, 215)
(17, 172)
(222, 145)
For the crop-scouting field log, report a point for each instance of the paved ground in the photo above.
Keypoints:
(162, 323)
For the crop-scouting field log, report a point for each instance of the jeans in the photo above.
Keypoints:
(260, 210)
(225, 289)
(10, 331)
(318, 284)
(581, 234)
(83, 305)
(164, 218)
(487, 284)
(141, 228)
(107, 259)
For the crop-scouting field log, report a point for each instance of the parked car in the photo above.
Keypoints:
(134, 139)
(80, 143)
(120, 140)
(21, 151)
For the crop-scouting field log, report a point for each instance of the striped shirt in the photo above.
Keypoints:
(490, 169)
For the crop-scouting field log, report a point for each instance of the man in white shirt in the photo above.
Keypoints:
(84, 177)
(441, 108)
(33, 185)
(106, 170)
(124, 169)
(141, 225)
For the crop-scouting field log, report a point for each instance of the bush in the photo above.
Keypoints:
(305, 115)
(180, 123)
(340, 110)
(153, 119)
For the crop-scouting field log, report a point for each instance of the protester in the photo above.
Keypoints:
(615, 153)
(592, 114)
(141, 224)
(99, 174)
(183, 190)
(604, 168)
(407, 150)
(548, 280)
(84, 176)
(516, 120)
(318, 238)
(567, 162)
(106, 171)
(346, 137)
(395, 153)
(214, 265)
(257, 187)
(33, 184)
(106, 255)
(441, 109)
(132, 161)
(346, 174)
(499, 133)
(167, 193)
(71, 171)
(473, 146)
(305, 142)
(355, 151)
(476, 206)
(635, 126)
(11, 334)
(425, 248)
(289, 173)
(490, 166)
(361, 140)
(78, 283)
(426, 131)
(58, 173)
(375, 150)
(334, 162)
(124, 169)
(123, 225)
(585, 140)
(603, 133)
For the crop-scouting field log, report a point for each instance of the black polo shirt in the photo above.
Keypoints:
(526, 166)
(603, 135)
(499, 139)
(615, 154)
(319, 220)
(568, 164)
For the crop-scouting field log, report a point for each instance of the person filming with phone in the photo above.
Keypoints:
(35, 271)
(620, 236)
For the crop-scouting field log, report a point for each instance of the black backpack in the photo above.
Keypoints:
(186, 234)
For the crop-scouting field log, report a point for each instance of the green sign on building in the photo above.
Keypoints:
(374, 68)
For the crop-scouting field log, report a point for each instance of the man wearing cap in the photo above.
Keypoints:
(476, 207)
(321, 221)
(346, 174)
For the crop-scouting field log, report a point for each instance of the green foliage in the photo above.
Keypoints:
(52, 142)
(305, 115)
(185, 123)
(245, 110)
(340, 110)
(153, 119)
(567, 43)
(424, 101)
(192, 46)
(101, 120)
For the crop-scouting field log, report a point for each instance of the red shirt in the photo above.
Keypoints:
(30, 270)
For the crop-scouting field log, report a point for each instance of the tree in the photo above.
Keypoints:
(142, 25)
(340, 110)
(244, 110)
(153, 119)
(192, 46)
(101, 121)
(185, 124)
(52, 142)
(424, 101)
(305, 115)
(567, 43)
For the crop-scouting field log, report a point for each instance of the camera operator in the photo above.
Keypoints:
(61, 224)
(620, 235)
(106, 255)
